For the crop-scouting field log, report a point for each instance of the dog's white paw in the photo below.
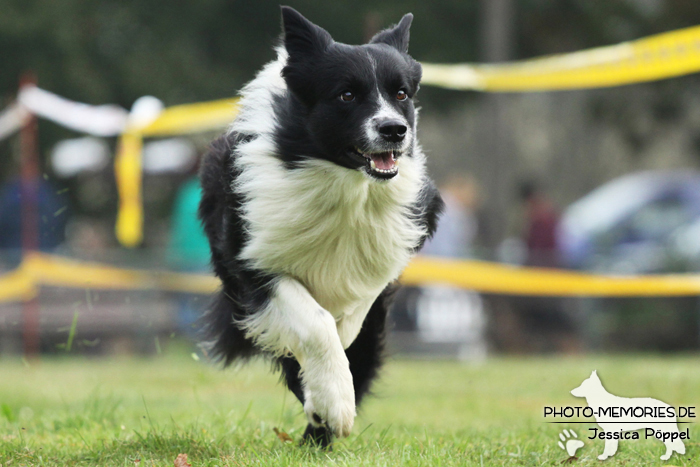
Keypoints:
(331, 401)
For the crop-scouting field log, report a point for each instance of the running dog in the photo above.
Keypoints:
(313, 203)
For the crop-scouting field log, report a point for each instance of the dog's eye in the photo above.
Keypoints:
(347, 96)
(401, 95)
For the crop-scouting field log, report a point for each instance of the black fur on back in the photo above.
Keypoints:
(244, 290)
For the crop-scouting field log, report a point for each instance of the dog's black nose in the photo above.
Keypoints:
(392, 130)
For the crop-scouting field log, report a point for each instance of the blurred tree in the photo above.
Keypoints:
(117, 50)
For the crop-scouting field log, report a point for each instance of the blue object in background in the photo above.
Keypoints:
(52, 216)
(635, 224)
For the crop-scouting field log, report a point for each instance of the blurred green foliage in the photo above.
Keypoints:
(115, 51)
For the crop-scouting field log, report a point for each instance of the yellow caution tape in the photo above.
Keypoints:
(127, 169)
(193, 118)
(41, 269)
(656, 57)
(17, 286)
(56, 271)
(497, 278)
(47, 270)
(176, 120)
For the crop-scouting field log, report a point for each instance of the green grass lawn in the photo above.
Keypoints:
(144, 411)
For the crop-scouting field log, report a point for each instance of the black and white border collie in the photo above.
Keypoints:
(313, 204)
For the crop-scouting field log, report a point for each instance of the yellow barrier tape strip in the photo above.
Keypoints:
(656, 57)
(502, 279)
(127, 168)
(193, 118)
(41, 269)
(62, 272)
(17, 286)
(176, 120)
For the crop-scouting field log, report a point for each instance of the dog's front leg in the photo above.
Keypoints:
(294, 322)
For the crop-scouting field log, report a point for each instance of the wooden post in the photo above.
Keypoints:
(29, 179)
(497, 33)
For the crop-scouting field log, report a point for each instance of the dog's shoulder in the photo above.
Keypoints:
(217, 172)
(216, 164)
(427, 209)
(219, 204)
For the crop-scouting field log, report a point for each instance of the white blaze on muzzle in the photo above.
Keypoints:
(384, 113)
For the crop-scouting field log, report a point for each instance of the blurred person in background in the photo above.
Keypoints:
(458, 224)
(188, 250)
(51, 216)
(445, 318)
(547, 325)
(540, 230)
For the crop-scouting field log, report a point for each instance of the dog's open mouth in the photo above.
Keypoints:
(381, 165)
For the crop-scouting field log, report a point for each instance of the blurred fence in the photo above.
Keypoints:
(658, 57)
(40, 269)
(446, 308)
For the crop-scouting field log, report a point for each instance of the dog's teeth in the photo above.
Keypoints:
(373, 165)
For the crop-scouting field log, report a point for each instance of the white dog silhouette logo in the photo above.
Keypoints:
(616, 415)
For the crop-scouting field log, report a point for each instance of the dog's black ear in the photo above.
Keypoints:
(301, 35)
(396, 36)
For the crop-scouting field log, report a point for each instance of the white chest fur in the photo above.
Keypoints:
(341, 234)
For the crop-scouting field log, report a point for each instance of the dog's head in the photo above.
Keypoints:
(353, 104)
(590, 386)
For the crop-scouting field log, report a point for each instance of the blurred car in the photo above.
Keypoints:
(647, 222)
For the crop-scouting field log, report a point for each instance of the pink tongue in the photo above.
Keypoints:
(384, 160)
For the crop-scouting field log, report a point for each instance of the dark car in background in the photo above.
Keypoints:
(647, 222)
